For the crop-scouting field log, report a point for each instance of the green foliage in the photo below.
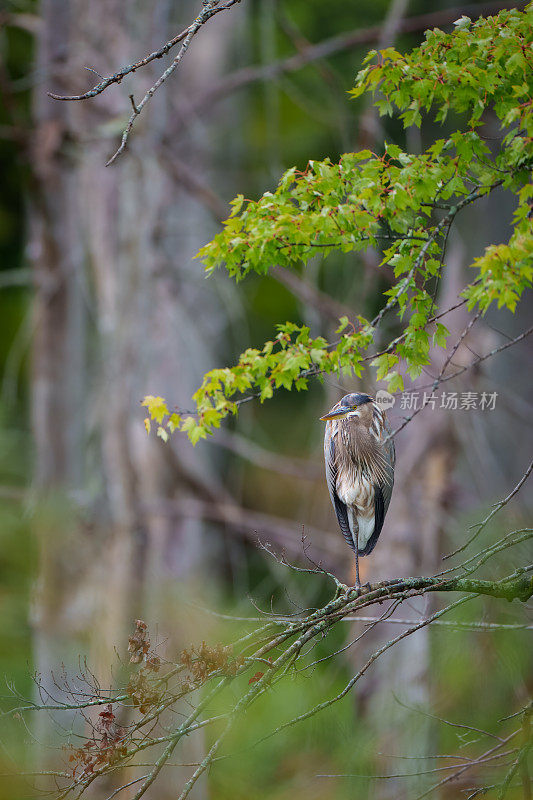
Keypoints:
(400, 203)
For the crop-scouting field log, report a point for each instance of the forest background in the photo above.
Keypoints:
(101, 303)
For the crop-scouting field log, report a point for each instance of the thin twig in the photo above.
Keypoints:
(210, 8)
(481, 525)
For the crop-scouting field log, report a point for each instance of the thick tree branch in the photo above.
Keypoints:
(275, 645)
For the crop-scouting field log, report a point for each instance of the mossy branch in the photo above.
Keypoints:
(519, 586)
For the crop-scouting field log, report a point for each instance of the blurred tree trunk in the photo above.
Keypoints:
(400, 686)
(120, 312)
(409, 544)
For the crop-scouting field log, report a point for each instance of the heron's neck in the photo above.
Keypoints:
(361, 450)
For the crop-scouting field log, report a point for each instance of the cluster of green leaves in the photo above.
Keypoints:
(288, 361)
(400, 203)
(483, 63)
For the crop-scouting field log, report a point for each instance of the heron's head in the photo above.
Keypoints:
(349, 407)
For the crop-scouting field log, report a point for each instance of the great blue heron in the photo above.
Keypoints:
(360, 462)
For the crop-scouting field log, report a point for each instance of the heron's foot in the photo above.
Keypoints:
(359, 588)
(342, 589)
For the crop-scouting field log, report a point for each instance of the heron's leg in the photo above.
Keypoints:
(357, 581)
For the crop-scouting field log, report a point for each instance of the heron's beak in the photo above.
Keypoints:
(336, 414)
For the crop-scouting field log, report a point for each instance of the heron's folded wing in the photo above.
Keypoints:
(382, 492)
(331, 478)
(389, 453)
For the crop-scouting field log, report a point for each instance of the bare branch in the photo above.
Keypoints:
(209, 9)
(481, 525)
(284, 533)
(267, 459)
(474, 363)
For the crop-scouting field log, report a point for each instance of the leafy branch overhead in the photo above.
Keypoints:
(400, 203)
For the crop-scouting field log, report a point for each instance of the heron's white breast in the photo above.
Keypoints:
(356, 491)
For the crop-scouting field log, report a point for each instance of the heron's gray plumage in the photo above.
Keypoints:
(360, 461)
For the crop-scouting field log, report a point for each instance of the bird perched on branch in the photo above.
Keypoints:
(360, 462)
